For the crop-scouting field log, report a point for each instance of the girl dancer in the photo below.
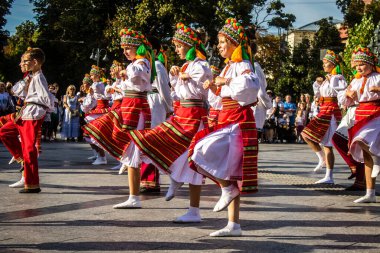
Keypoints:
(227, 153)
(321, 129)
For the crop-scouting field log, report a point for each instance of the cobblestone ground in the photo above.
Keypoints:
(288, 214)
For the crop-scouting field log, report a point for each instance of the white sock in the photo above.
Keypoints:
(329, 173)
(94, 152)
(193, 211)
(134, 198)
(233, 225)
(320, 156)
(371, 192)
(227, 189)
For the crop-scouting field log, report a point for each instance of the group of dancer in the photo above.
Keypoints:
(211, 132)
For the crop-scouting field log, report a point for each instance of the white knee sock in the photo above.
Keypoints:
(321, 156)
(329, 173)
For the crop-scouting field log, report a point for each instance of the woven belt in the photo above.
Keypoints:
(192, 103)
(135, 94)
(229, 104)
(327, 99)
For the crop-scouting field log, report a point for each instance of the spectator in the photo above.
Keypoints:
(290, 109)
(55, 119)
(308, 103)
(6, 103)
(71, 125)
(300, 121)
(301, 100)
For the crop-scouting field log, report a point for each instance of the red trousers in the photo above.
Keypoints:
(150, 176)
(26, 149)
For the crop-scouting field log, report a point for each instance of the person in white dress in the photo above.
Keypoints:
(227, 153)
(364, 136)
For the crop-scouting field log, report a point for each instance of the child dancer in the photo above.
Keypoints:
(228, 152)
(321, 129)
(110, 131)
(364, 136)
(166, 145)
(28, 122)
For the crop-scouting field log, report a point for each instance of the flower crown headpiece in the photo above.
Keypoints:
(335, 59)
(187, 36)
(87, 79)
(95, 70)
(235, 33)
(130, 37)
(364, 54)
(115, 64)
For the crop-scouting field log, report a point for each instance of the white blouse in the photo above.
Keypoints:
(113, 95)
(138, 76)
(243, 87)
(330, 88)
(373, 80)
(38, 98)
(99, 89)
(192, 88)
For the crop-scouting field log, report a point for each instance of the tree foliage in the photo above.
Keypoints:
(360, 34)
(354, 10)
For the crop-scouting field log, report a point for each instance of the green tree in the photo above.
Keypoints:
(354, 10)
(360, 34)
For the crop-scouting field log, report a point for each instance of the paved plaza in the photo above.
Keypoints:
(289, 213)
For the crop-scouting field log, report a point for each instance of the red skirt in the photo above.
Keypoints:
(111, 130)
(365, 112)
(169, 140)
(318, 126)
(102, 107)
(233, 113)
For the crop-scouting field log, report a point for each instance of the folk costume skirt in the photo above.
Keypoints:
(111, 130)
(166, 145)
(366, 129)
(322, 127)
(228, 150)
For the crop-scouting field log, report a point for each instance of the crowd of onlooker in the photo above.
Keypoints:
(286, 119)
(64, 122)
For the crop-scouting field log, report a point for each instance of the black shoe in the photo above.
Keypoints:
(36, 190)
(355, 188)
(150, 190)
(353, 175)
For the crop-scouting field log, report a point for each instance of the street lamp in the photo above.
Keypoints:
(95, 55)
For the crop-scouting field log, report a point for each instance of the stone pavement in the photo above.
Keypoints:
(288, 214)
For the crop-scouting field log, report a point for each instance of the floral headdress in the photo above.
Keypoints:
(364, 55)
(187, 36)
(235, 32)
(87, 79)
(115, 64)
(335, 59)
(95, 70)
(129, 37)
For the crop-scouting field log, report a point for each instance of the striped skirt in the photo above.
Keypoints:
(111, 130)
(319, 126)
(228, 150)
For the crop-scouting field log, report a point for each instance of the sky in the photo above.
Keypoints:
(306, 11)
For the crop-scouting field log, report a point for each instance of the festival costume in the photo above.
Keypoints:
(27, 124)
(166, 144)
(367, 117)
(111, 130)
(322, 127)
(228, 151)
